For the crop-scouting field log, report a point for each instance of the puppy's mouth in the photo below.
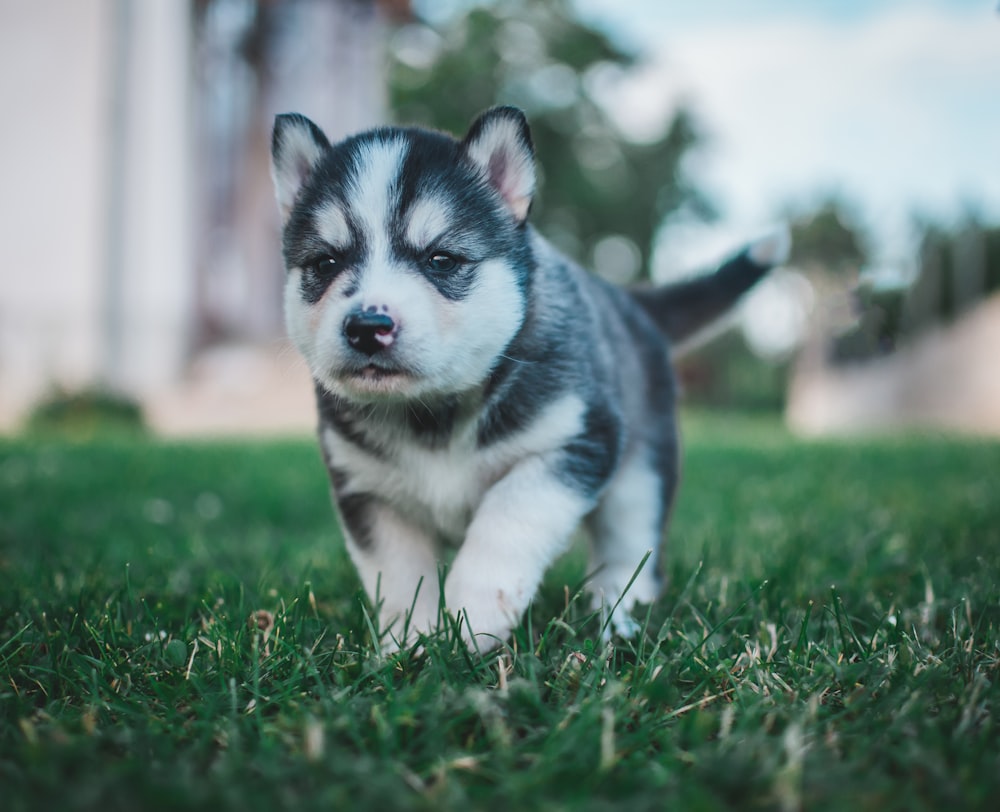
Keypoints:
(376, 379)
(375, 373)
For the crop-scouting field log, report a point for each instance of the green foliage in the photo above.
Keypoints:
(595, 182)
(726, 374)
(86, 413)
(830, 639)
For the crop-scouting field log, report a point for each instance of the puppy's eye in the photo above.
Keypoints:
(440, 262)
(325, 266)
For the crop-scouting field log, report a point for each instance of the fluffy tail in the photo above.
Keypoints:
(683, 309)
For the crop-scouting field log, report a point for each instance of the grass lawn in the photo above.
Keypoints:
(830, 639)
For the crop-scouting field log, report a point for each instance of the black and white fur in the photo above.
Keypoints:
(476, 389)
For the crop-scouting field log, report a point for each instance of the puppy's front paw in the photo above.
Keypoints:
(486, 615)
(623, 625)
(616, 620)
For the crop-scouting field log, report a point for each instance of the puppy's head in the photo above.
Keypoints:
(406, 251)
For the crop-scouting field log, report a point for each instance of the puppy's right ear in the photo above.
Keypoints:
(499, 145)
(297, 145)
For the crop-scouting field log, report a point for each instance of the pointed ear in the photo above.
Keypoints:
(297, 145)
(499, 144)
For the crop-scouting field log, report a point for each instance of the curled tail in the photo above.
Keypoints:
(683, 309)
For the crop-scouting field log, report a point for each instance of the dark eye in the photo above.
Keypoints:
(440, 262)
(325, 266)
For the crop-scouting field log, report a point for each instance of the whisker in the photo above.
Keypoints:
(517, 360)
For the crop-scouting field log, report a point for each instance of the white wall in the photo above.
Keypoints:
(155, 228)
(56, 60)
(51, 200)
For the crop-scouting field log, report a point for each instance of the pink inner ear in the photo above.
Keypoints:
(499, 162)
(303, 166)
(502, 174)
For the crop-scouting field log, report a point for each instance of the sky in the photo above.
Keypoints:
(894, 105)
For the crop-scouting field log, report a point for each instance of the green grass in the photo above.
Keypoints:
(830, 639)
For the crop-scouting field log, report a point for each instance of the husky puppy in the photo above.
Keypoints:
(476, 389)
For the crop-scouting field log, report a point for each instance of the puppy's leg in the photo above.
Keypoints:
(523, 523)
(394, 560)
(625, 527)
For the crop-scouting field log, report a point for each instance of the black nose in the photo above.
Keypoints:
(369, 332)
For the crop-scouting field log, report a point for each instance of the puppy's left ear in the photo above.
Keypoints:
(499, 144)
(297, 146)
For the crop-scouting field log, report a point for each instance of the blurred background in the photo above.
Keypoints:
(140, 267)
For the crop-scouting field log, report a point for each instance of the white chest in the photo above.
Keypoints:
(440, 488)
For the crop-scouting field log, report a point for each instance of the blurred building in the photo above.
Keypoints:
(945, 379)
(140, 233)
(920, 355)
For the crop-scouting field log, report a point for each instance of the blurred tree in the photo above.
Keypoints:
(248, 66)
(602, 196)
(830, 249)
(957, 267)
(826, 241)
